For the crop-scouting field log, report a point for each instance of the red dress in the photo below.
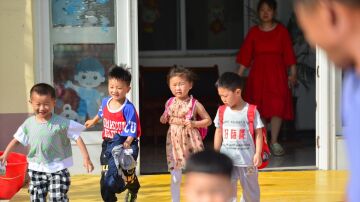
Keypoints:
(268, 54)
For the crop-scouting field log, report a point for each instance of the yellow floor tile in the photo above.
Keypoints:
(292, 186)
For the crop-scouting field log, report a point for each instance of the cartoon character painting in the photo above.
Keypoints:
(89, 74)
(150, 14)
(217, 18)
(82, 13)
(67, 13)
(70, 114)
(68, 96)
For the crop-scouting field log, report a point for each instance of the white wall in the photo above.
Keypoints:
(93, 142)
(341, 160)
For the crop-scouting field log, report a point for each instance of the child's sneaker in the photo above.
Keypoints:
(130, 197)
(277, 149)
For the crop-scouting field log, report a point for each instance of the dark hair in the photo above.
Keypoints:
(271, 3)
(120, 73)
(352, 3)
(231, 81)
(181, 72)
(210, 162)
(43, 89)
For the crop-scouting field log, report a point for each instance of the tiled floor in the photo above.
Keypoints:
(300, 151)
(286, 186)
(299, 147)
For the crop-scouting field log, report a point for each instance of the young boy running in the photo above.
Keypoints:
(50, 156)
(121, 126)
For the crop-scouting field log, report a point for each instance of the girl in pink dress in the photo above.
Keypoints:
(183, 137)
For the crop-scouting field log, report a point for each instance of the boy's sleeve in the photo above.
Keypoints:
(22, 135)
(257, 120)
(102, 106)
(75, 130)
(216, 120)
(130, 115)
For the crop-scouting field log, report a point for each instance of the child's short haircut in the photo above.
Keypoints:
(210, 162)
(43, 89)
(181, 72)
(120, 73)
(231, 81)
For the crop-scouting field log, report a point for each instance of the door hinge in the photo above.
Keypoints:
(318, 142)
(317, 71)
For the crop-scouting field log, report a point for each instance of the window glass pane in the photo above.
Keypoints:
(159, 25)
(214, 24)
(83, 37)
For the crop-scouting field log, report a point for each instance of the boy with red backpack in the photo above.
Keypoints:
(240, 135)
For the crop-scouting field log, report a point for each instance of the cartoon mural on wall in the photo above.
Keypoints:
(70, 114)
(79, 77)
(150, 14)
(68, 96)
(89, 74)
(217, 18)
(83, 13)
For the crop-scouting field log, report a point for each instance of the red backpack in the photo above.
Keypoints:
(265, 152)
(189, 115)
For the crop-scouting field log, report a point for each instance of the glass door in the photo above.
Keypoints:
(82, 40)
(76, 42)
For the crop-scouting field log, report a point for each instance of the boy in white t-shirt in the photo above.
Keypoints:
(233, 138)
(48, 137)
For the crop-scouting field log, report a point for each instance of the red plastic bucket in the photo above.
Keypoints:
(13, 180)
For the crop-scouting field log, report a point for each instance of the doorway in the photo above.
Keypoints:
(179, 46)
(154, 92)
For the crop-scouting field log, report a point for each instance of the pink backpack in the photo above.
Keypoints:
(189, 115)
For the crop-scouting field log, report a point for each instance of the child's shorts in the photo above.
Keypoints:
(56, 184)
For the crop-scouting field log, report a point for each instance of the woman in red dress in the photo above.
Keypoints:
(267, 51)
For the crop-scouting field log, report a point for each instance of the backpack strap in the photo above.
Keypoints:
(221, 115)
(251, 117)
(190, 113)
(168, 104)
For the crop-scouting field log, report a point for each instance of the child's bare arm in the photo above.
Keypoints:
(259, 144)
(217, 139)
(241, 70)
(164, 118)
(128, 142)
(259, 140)
(13, 143)
(87, 162)
(206, 120)
(92, 122)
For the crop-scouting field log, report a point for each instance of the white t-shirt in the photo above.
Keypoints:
(237, 142)
(50, 147)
